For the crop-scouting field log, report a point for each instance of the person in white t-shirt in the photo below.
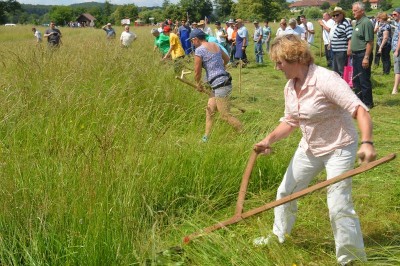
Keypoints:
(282, 28)
(38, 35)
(327, 23)
(220, 33)
(308, 28)
(295, 29)
(127, 37)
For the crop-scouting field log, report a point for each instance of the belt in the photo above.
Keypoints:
(223, 84)
(359, 52)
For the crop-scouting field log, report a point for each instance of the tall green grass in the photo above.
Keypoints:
(101, 161)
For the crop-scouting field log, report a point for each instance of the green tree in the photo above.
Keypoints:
(325, 6)
(312, 13)
(8, 7)
(165, 4)
(367, 6)
(34, 19)
(125, 11)
(173, 12)
(259, 9)
(23, 18)
(107, 11)
(345, 4)
(223, 8)
(157, 14)
(197, 9)
(385, 5)
(61, 14)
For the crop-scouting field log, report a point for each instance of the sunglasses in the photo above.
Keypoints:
(335, 15)
(394, 14)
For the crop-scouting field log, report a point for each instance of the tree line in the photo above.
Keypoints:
(11, 11)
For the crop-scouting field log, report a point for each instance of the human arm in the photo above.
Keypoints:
(384, 40)
(269, 36)
(225, 57)
(349, 47)
(282, 131)
(47, 33)
(368, 50)
(324, 26)
(366, 152)
(260, 35)
(376, 28)
(168, 53)
(310, 28)
(198, 65)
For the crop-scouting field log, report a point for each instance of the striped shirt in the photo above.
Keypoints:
(341, 36)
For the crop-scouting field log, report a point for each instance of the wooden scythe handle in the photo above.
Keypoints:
(205, 92)
(236, 218)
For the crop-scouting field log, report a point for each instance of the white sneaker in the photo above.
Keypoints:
(264, 241)
(261, 241)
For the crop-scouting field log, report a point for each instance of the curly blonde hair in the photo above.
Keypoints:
(383, 16)
(292, 49)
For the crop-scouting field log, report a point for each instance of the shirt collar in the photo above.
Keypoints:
(311, 80)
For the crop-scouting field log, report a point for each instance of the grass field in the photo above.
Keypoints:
(101, 161)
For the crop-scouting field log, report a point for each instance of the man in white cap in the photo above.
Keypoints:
(242, 41)
(258, 43)
(110, 32)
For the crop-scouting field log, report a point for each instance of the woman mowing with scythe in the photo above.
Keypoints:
(209, 56)
(322, 106)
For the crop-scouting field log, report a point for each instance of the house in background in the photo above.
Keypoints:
(374, 3)
(301, 4)
(86, 20)
(139, 22)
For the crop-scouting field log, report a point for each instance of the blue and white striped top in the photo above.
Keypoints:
(341, 36)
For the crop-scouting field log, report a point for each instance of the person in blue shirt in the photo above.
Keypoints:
(110, 32)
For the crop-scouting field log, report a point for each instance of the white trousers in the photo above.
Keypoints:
(344, 221)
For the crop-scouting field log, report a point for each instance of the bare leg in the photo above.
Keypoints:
(396, 83)
(210, 111)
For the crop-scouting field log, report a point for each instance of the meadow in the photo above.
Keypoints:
(101, 161)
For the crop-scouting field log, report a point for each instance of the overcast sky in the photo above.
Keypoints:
(116, 2)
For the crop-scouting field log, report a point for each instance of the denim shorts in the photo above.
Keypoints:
(222, 92)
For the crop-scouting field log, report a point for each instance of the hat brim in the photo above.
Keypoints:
(337, 12)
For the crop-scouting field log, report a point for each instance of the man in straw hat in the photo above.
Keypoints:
(242, 41)
(362, 42)
(258, 43)
(340, 40)
(202, 25)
